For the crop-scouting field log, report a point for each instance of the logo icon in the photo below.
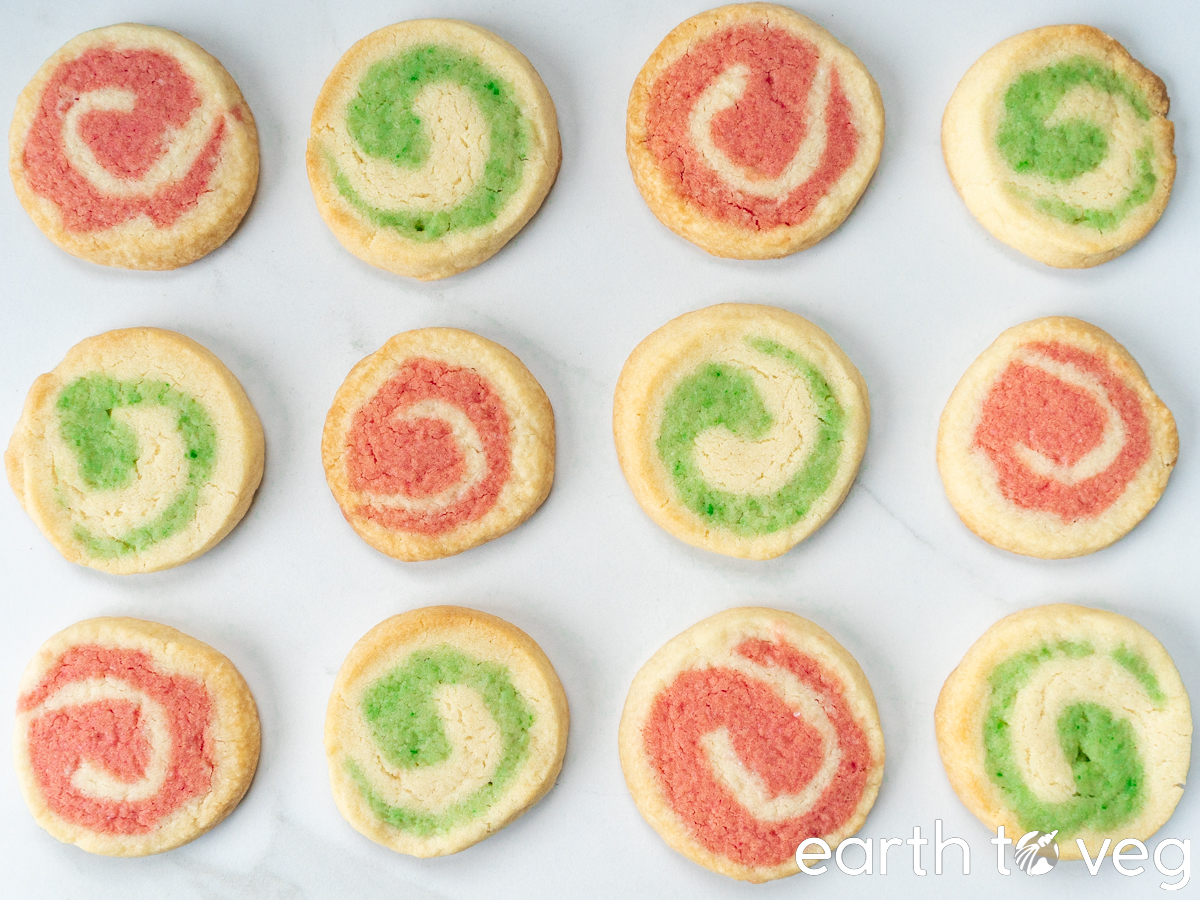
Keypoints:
(1036, 853)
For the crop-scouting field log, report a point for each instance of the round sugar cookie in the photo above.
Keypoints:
(1059, 143)
(740, 428)
(132, 147)
(444, 725)
(437, 442)
(1069, 720)
(1053, 443)
(138, 452)
(433, 143)
(749, 733)
(131, 737)
(752, 132)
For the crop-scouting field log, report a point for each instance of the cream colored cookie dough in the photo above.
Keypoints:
(132, 147)
(138, 452)
(1067, 719)
(131, 737)
(439, 441)
(1053, 444)
(433, 143)
(752, 132)
(1058, 140)
(747, 734)
(740, 428)
(444, 725)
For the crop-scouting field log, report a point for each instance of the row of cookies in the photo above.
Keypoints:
(742, 738)
(133, 738)
(751, 131)
(740, 429)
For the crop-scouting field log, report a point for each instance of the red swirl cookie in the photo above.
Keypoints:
(437, 442)
(752, 132)
(749, 733)
(133, 147)
(132, 738)
(1054, 444)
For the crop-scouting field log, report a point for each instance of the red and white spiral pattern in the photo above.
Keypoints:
(125, 128)
(430, 451)
(115, 744)
(746, 735)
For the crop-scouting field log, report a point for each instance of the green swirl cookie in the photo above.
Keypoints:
(740, 428)
(140, 451)
(444, 725)
(1069, 720)
(1058, 141)
(433, 142)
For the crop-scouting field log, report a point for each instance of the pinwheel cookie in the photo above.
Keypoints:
(1059, 142)
(1070, 720)
(749, 733)
(740, 428)
(752, 132)
(132, 147)
(437, 442)
(1053, 444)
(433, 143)
(445, 724)
(132, 738)
(140, 451)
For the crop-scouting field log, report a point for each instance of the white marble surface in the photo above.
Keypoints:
(910, 286)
